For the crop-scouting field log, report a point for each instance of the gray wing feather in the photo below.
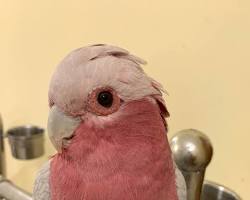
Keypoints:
(41, 190)
(180, 184)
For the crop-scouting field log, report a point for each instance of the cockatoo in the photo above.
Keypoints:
(107, 123)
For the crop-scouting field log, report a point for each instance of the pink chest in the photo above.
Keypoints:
(131, 175)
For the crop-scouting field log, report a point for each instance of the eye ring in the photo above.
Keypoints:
(103, 101)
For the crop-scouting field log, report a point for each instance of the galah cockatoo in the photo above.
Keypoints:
(107, 123)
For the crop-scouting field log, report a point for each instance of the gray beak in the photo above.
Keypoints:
(61, 128)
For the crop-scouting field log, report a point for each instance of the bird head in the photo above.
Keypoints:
(99, 86)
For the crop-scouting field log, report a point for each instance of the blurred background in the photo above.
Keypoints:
(198, 49)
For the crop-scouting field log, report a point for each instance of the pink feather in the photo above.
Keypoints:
(128, 159)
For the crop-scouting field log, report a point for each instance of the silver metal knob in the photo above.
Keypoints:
(192, 151)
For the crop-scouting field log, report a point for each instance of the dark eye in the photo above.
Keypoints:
(105, 98)
(103, 101)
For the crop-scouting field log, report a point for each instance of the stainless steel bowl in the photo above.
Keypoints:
(27, 142)
(214, 191)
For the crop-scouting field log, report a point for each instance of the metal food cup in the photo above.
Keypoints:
(214, 191)
(27, 142)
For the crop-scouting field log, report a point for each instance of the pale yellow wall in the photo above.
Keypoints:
(198, 49)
